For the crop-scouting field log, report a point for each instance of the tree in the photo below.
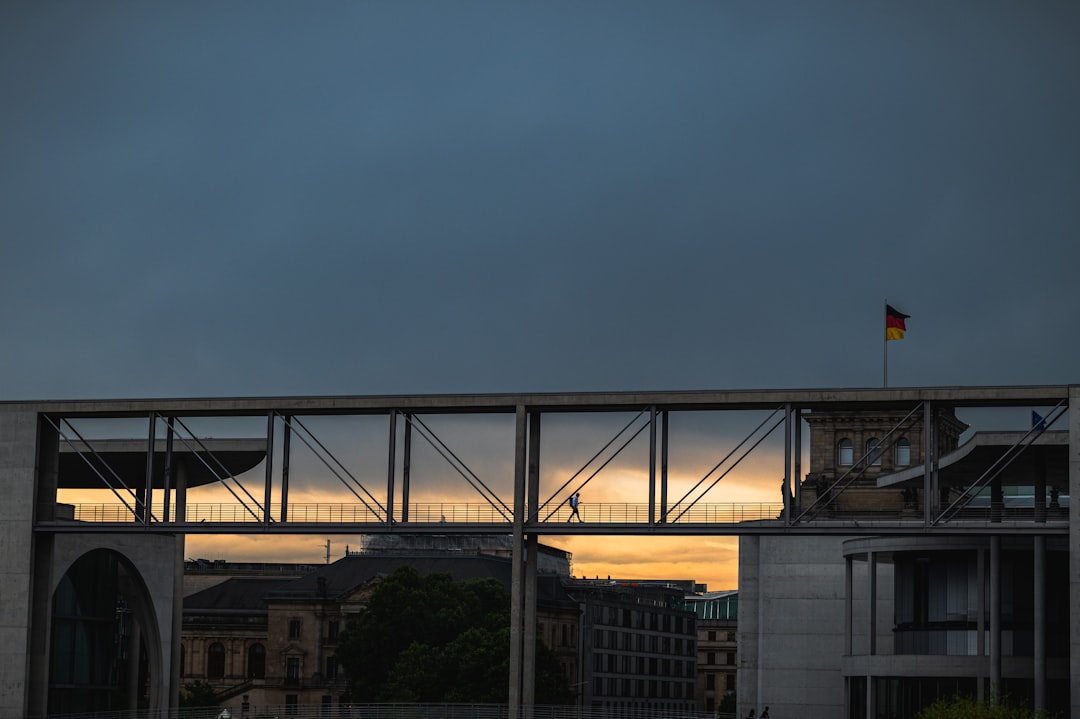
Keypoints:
(967, 708)
(431, 639)
(728, 704)
(198, 694)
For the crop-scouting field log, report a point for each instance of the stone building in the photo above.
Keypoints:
(270, 641)
(638, 646)
(875, 626)
(717, 652)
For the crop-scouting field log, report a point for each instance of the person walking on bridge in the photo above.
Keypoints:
(574, 502)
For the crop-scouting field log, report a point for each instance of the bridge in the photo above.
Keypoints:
(129, 475)
(149, 481)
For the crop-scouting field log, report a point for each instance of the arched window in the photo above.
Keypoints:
(873, 451)
(256, 661)
(845, 453)
(903, 452)
(215, 661)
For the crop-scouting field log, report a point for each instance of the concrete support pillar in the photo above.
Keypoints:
(175, 682)
(41, 560)
(1040, 622)
(132, 684)
(980, 623)
(517, 569)
(748, 677)
(1074, 547)
(532, 561)
(995, 616)
(848, 586)
(528, 678)
(871, 603)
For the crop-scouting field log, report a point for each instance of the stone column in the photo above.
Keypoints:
(1074, 548)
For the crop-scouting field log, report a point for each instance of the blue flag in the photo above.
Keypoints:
(1037, 421)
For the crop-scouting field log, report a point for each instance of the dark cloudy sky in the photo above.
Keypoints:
(357, 197)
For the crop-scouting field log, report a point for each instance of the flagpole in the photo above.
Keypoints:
(885, 345)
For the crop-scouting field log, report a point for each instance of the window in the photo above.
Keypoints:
(215, 661)
(292, 670)
(332, 629)
(183, 656)
(256, 661)
(731, 658)
(291, 703)
(902, 452)
(294, 629)
(729, 682)
(710, 658)
(712, 636)
(845, 453)
(873, 451)
(331, 667)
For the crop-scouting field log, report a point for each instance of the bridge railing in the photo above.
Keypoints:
(437, 513)
(394, 711)
(602, 513)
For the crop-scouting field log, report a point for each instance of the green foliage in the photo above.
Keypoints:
(198, 694)
(967, 708)
(431, 639)
(727, 704)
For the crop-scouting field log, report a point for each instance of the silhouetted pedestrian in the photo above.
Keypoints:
(574, 502)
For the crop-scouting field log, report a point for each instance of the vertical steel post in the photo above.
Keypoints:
(166, 480)
(406, 468)
(148, 495)
(269, 480)
(928, 467)
(785, 489)
(390, 468)
(1040, 493)
(533, 498)
(286, 452)
(652, 464)
(797, 494)
(664, 466)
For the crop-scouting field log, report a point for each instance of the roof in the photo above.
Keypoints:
(344, 576)
(1048, 451)
(715, 605)
(348, 573)
(204, 462)
(244, 593)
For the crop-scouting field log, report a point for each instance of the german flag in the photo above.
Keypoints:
(894, 323)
